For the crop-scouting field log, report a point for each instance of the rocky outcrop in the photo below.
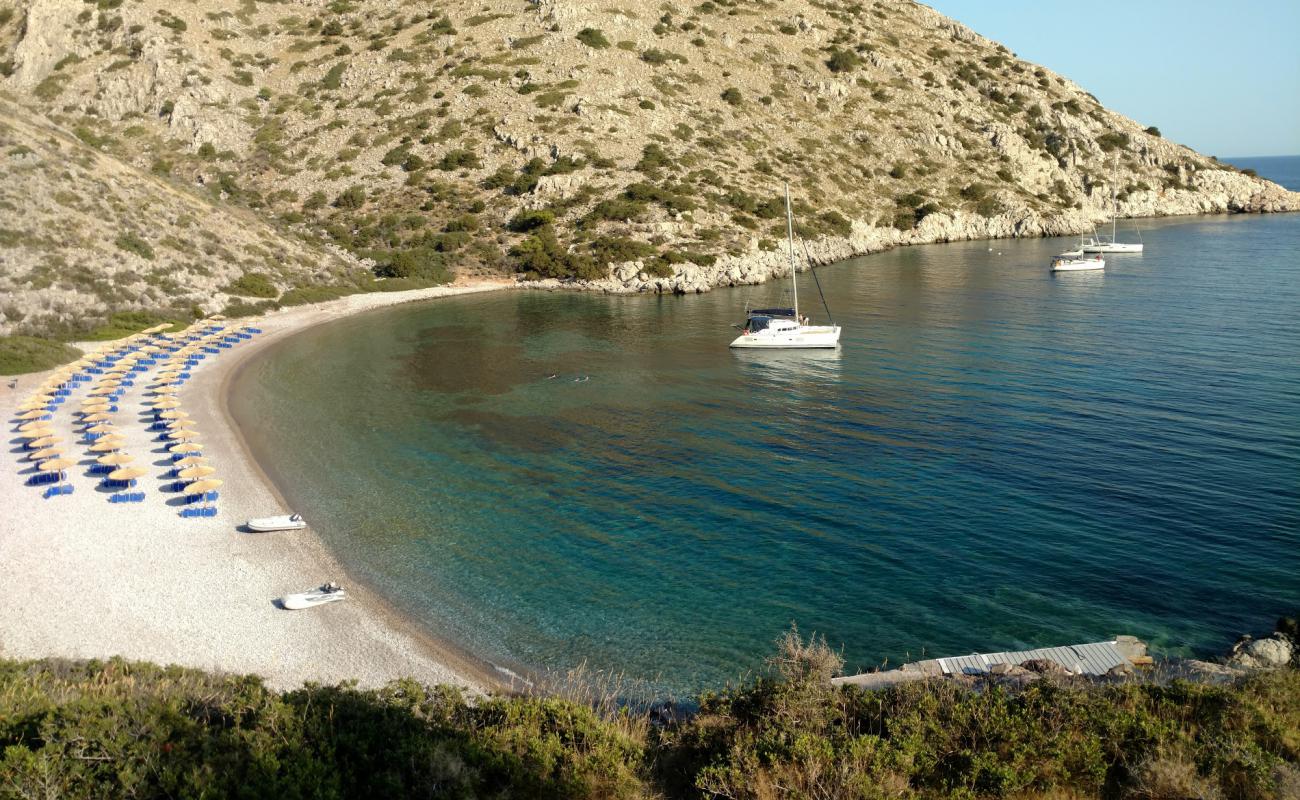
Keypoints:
(1270, 653)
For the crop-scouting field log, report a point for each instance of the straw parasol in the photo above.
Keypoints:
(35, 413)
(34, 405)
(98, 416)
(41, 397)
(115, 459)
(185, 447)
(177, 424)
(127, 473)
(166, 403)
(201, 486)
(34, 425)
(103, 427)
(217, 317)
(183, 435)
(174, 414)
(199, 471)
(102, 391)
(56, 464)
(192, 461)
(44, 442)
(37, 433)
(107, 445)
(46, 454)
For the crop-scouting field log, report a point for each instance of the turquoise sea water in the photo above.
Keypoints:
(996, 457)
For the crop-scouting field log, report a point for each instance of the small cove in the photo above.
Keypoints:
(996, 457)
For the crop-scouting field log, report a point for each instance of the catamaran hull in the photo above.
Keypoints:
(823, 338)
(1113, 248)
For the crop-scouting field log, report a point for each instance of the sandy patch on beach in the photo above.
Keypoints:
(85, 578)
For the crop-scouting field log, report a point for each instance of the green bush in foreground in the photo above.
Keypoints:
(20, 354)
(117, 729)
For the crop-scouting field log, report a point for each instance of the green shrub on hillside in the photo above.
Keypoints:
(20, 354)
(542, 256)
(842, 60)
(593, 37)
(252, 284)
(132, 243)
(527, 220)
(459, 159)
(352, 197)
(1113, 141)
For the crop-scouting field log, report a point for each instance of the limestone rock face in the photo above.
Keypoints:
(48, 38)
(378, 129)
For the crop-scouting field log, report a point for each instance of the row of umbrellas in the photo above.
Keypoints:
(96, 411)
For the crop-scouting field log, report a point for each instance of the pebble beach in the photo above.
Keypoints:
(86, 578)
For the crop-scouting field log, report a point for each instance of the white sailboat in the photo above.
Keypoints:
(784, 328)
(1070, 262)
(1099, 243)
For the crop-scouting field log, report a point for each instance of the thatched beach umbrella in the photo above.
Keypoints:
(115, 459)
(56, 465)
(40, 397)
(191, 461)
(37, 433)
(35, 413)
(107, 445)
(46, 454)
(165, 404)
(199, 471)
(183, 435)
(186, 447)
(104, 427)
(34, 405)
(98, 416)
(44, 442)
(127, 473)
(34, 425)
(201, 486)
(175, 414)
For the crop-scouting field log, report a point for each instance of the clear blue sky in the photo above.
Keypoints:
(1220, 77)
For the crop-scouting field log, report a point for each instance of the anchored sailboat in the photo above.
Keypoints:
(785, 328)
(1101, 244)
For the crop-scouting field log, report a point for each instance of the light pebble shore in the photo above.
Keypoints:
(85, 578)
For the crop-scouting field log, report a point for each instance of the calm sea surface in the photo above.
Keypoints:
(996, 457)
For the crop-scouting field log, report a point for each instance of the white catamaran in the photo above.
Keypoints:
(1100, 243)
(784, 328)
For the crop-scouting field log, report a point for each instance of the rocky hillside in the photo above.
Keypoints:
(631, 146)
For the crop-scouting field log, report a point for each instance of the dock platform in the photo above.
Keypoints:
(1093, 659)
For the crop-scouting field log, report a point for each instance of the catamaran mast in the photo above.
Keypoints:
(789, 232)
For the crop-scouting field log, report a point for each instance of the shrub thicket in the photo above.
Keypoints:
(117, 729)
(252, 284)
(19, 354)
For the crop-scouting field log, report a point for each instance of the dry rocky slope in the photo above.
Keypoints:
(614, 145)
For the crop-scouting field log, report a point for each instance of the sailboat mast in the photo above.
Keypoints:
(789, 232)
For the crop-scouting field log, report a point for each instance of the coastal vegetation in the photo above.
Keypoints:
(93, 729)
(19, 354)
